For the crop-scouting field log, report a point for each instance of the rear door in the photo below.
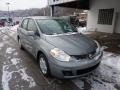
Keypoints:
(22, 31)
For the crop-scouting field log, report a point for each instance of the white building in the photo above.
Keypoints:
(94, 15)
(103, 15)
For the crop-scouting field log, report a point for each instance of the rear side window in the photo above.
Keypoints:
(24, 24)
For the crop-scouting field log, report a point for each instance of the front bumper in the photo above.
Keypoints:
(75, 68)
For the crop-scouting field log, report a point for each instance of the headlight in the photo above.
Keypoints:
(60, 55)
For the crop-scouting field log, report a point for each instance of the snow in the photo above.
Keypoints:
(6, 27)
(99, 85)
(14, 65)
(10, 50)
(7, 75)
(105, 77)
(27, 78)
(15, 61)
(15, 53)
(14, 28)
(5, 37)
(79, 83)
(104, 47)
(111, 60)
(8, 57)
(83, 30)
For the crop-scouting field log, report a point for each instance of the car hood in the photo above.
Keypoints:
(73, 44)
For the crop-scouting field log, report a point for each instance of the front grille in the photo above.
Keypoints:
(67, 73)
(80, 72)
(84, 56)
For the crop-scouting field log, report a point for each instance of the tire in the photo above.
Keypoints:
(43, 65)
(20, 45)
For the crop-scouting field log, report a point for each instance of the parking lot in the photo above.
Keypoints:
(19, 71)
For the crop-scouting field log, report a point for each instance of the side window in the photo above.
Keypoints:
(31, 25)
(24, 24)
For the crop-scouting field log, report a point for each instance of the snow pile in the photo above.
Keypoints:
(9, 31)
(13, 31)
(14, 28)
(10, 50)
(83, 30)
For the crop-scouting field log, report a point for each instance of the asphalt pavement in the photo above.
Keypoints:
(19, 71)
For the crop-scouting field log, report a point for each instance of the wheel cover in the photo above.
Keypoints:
(43, 65)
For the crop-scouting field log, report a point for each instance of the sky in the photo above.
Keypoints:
(22, 4)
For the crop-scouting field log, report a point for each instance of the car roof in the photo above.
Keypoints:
(42, 17)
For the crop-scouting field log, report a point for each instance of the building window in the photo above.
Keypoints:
(105, 16)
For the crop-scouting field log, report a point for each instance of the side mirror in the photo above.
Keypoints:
(30, 33)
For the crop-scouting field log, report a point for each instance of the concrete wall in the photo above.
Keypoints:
(95, 5)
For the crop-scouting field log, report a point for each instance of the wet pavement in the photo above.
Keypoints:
(19, 71)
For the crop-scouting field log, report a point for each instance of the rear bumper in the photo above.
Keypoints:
(73, 69)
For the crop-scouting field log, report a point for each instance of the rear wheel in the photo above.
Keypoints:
(44, 66)
(20, 45)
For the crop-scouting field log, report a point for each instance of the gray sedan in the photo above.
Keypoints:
(58, 48)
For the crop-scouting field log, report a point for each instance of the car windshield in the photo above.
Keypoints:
(55, 26)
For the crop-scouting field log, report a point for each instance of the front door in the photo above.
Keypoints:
(31, 39)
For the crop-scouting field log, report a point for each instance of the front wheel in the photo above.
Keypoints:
(44, 66)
